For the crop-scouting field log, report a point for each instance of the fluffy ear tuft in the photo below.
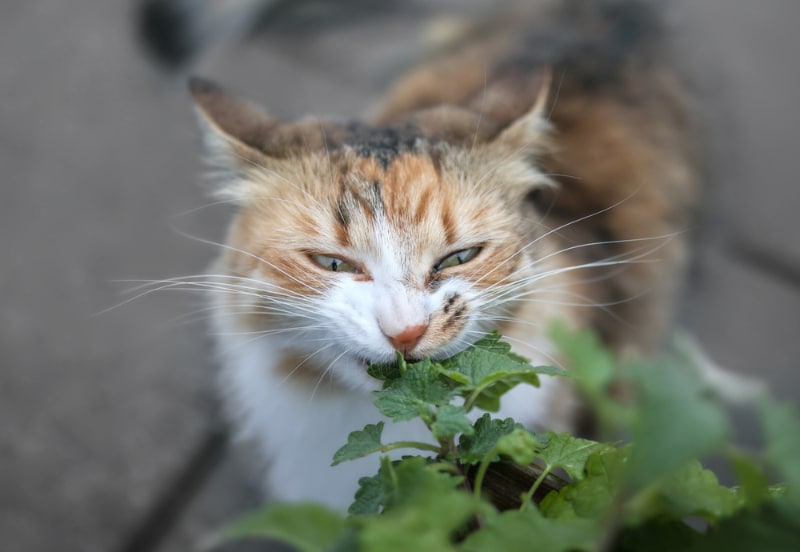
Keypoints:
(528, 132)
(524, 139)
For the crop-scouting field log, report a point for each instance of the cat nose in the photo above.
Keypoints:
(407, 339)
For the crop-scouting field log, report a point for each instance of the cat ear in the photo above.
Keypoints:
(528, 135)
(529, 131)
(234, 130)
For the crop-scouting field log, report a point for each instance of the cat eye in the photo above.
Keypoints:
(457, 258)
(334, 264)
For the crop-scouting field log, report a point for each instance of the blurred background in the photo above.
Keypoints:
(109, 435)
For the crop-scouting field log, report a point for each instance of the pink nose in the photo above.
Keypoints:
(406, 340)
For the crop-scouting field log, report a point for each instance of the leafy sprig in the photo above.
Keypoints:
(627, 497)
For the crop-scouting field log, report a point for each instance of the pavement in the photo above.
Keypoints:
(110, 439)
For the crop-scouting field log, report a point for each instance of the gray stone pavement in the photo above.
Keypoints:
(104, 418)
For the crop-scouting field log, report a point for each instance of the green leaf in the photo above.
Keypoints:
(769, 529)
(493, 341)
(488, 370)
(687, 491)
(490, 389)
(658, 536)
(413, 394)
(400, 406)
(524, 531)
(407, 479)
(562, 450)
(423, 509)
(473, 448)
(593, 368)
(592, 496)
(386, 372)
(475, 365)
(430, 524)
(753, 486)
(590, 362)
(307, 527)
(360, 443)
(781, 425)
(520, 445)
(677, 419)
(398, 483)
(451, 420)
(369, 496)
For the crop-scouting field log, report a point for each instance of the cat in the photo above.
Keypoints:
(544, 168)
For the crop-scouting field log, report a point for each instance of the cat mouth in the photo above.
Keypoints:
(364, 362)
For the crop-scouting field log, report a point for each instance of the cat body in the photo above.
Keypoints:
(540, 172)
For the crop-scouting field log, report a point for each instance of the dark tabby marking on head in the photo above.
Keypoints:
(357, 199)
(382, 144)
(342, 212)
(374, 196)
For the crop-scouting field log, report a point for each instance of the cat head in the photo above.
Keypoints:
(352, 242)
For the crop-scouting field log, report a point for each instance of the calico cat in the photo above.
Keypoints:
(534, 172)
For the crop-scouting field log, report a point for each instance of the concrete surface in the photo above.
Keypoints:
(107, 418)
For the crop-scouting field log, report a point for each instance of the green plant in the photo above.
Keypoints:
(492, 485)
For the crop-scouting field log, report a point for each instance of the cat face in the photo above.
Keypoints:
(384, 240)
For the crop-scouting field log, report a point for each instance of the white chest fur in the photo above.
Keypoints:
(297, 426)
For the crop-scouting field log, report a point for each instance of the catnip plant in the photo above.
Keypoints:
(484, 484)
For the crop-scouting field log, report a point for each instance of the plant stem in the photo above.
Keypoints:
(528, 497)
(470, 402)
(448, 448)
(411, 444)
(482, 471)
